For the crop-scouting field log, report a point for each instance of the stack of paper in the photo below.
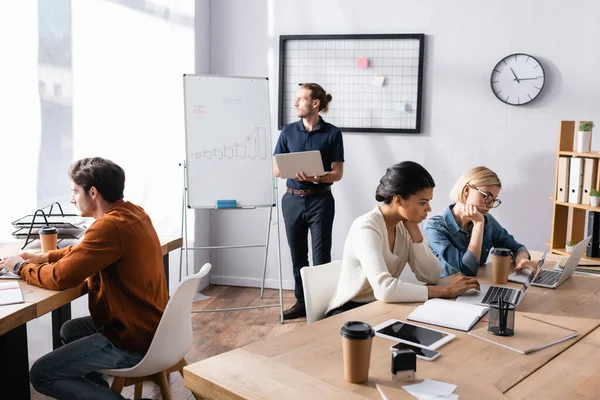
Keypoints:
(430, 389)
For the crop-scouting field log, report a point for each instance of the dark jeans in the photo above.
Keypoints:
(69, 372)
(343, 308)
(300, 214)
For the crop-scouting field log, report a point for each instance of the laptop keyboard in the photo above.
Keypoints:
(496, 292)
(548, 277)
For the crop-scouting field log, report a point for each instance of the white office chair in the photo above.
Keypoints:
(172, 340)
(319, 283)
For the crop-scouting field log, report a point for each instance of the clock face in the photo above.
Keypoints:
(517, 79)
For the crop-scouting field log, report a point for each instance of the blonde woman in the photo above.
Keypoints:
(464, 234)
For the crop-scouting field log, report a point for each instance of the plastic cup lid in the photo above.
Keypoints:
(501, 252)
(357, 330)
(48, 229)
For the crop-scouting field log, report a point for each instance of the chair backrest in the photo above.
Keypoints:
(173, 337)
(319, 283)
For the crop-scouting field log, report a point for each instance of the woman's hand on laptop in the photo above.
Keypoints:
(522, 261)
(459, 285)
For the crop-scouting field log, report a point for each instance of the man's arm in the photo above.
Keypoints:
(336, 173)
(280, 147)
(275, 168)
(100, 247)
(41, 258)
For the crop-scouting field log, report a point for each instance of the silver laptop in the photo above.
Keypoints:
(488, 293)
(551, 278)
(309, 162)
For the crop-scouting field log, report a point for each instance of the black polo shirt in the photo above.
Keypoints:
(325, 137)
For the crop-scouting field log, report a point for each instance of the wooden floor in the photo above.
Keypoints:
(215, 333)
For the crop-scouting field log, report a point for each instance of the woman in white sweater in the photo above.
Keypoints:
(382, 241)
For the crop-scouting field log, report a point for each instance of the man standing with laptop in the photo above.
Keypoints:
(308, 202)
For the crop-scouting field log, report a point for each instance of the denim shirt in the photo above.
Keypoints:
(449, 242)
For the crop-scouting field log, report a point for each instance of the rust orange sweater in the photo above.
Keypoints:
(121, 255)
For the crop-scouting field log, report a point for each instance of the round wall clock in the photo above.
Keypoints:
(517, 79)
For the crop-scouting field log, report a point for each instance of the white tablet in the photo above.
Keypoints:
(406, 332)
(309, 162)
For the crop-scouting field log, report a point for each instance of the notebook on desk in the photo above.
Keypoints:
(450, 314)
(10, 293)
(531, 334)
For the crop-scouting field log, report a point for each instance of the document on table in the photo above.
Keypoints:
(10, 293)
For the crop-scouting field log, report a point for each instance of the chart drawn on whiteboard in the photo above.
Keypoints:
(252, 147)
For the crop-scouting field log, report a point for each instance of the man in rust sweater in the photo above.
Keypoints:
(121, 259)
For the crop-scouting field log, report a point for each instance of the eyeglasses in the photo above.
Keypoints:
(488, 198)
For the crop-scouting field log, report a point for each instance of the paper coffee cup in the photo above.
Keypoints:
(357, 339)
(48, 238)
(501, 260)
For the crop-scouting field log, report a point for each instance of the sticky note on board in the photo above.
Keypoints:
(378, 80)
(400, 106)
(362, 62)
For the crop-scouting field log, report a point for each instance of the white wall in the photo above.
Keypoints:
(20, 119)
(464, 125)
(128, 63)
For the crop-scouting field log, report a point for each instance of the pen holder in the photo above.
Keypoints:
(501, 318)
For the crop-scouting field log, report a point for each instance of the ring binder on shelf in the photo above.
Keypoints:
(70, 226)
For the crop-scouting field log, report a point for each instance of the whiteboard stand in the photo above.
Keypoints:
(186, 248)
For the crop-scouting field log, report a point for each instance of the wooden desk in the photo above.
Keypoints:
(575, 373)
(309, 360)
(38, 301)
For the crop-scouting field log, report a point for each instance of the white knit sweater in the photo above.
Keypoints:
(370, 270)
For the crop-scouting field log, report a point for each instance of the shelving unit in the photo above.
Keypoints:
(568, 219)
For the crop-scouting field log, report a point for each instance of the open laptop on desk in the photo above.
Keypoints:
(488, 293)
(552, 279)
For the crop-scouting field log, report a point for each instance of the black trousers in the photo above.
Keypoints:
(300, 214)
(351, 305)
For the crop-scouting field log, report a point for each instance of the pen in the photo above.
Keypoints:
(500, 315)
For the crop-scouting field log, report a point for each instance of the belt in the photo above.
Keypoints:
(309, 192)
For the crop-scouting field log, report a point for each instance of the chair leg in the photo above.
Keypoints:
(163, 384)
(117, 384)
(180, 366)
(139, 386)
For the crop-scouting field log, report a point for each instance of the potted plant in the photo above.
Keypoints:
(584, 136)
(594, 198)
(570, 245)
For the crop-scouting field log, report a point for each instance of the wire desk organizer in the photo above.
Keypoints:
(68, 225)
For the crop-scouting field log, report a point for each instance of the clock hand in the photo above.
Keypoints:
(516, 79)
(528, 79)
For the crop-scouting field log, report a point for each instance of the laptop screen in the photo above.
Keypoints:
(532, 276)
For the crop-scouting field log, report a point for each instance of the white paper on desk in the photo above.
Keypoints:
(427, 396)
(10, 293)
(431, 389)
(9, 275)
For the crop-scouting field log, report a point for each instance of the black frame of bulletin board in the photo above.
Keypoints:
(282, 67)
